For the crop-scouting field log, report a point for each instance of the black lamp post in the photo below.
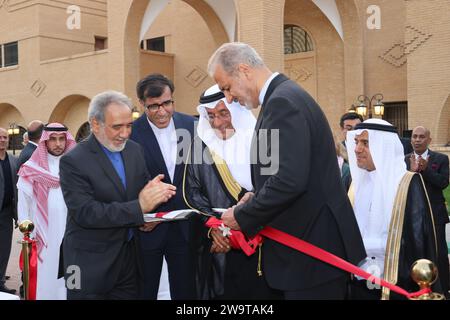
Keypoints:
(377, 108)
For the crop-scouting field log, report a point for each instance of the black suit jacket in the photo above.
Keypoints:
(143, 134)
(26, 153)
(13, 163)
(436, 177)
(100, 211)
(304, 197)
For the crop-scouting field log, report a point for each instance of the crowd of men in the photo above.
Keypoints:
(378, 205)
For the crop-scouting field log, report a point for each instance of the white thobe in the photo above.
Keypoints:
(374, 239)
(49, 287)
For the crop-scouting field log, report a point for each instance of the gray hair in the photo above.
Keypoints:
(230, 55)
(101, 101)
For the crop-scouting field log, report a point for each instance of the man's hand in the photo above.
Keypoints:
(245, 198)
(413, 163)
(229, 220)
(220, 243)
(423, 163)
(149, 226)
(155, 193)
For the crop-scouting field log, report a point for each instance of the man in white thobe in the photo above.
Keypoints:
(40, 200)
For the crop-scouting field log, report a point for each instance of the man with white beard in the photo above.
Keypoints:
(106, 188)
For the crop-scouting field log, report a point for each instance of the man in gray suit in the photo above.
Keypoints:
(8, 208)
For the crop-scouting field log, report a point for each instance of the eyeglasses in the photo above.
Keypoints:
(224, 115)
(155, 106)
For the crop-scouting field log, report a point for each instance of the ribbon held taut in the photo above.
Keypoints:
(238, 240)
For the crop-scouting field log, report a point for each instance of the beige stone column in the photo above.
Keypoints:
(260, 24)
(427, 40)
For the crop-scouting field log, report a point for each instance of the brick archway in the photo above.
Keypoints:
(72, 111)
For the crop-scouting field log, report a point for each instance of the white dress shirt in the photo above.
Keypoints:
(167, 140)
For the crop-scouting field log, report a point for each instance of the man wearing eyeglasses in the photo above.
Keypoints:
(162, 131)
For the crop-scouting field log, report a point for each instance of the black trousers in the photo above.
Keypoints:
(333, 290)
(126, 287)
(360, 290)
(6, 231)
(442, 263)
(242, 281)
(178, 254)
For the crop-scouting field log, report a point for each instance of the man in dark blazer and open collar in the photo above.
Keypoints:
(434, 168)
(106, 187)
(301, 193)
(8, 205)
(165, 136)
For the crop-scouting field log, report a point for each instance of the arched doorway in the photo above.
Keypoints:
(319, 66)
(194, 32)
(71, 111)
(10, 118)
(300, 58)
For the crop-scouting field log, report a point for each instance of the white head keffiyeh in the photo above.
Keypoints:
(375, 191)
(235, 151)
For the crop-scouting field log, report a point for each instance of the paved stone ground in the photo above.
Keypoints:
(13, 266)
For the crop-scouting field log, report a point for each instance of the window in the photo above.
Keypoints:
(9, 54)
(156, 44)
(397, 114)
(100, 43)
(296, 40)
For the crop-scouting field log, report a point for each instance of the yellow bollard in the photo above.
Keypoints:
(26, 227)
(425, 273)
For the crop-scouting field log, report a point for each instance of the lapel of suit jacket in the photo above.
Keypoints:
(151, 147)
(106, 164)
(432, 159)
(179, 167)
(13, 165)
(2, 186)
(128, 164)
(273, 84)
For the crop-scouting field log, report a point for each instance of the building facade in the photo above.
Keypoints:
(57, 55)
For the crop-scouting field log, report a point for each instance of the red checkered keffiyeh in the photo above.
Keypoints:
(36, 172)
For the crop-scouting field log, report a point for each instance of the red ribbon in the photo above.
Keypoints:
(33, 269)
(237, 239)
(329, 258)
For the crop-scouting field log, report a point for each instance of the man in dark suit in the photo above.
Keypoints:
(105, 186)
(8, 205)
(348, 122)
(299, 192)
(34, 131)
(434, 168)
(165, 136)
